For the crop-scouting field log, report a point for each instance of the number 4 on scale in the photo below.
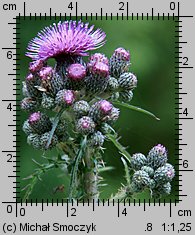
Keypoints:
(185, 112)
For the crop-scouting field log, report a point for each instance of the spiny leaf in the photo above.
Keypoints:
(135, 108)
(127, 175)
(106, 168)
(54, 126)
(123, 151)
(74, 170)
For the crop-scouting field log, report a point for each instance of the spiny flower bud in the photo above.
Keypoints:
(98, 57)
(47, 102)
(127, 81)
(119, 62)
(46, 72)
(39, 122)
(126, 96)
(85, 125)
(36, 66)
(157, 156)
(112, 84)
(149, 170)
(31, 83)
(152, 184)
(121, 53)
(44, 140)
(76, 72)
(100, 110)
(34, 140)
(57, 83)
(112, 116)
(100, 69)
(115, 96)
(97, 139)
(106, 128)
(65, 98)
(28, 104)
(161, 190)
(164, 174)
(27, 128)
(165, 189)
(138, 160)
(140, 180)
(97, 79)
(81, 108)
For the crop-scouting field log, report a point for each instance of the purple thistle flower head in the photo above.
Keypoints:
(99, 68)
(34, 117)
(76, 72)
(122, 54)
(46, 72)
(66, 38)
(160, 149)
(30, 77)
(98, 57)
(36, 66)
(105, 106)
(69, 97)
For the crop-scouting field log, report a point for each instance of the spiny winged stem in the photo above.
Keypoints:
(90, 176)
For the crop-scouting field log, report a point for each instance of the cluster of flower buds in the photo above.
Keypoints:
(46, 87)
(73, 85)
(152, 172)
(38, 128)
(121, 82)
(90, 120)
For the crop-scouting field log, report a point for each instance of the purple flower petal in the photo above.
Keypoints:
(67, 38)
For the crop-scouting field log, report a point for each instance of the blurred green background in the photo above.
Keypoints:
(151, 45)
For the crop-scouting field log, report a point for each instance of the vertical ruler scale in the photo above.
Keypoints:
(59, 215)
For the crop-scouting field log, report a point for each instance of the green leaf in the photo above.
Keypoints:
(135, 108)
(54, 126)
(73, 178)
(127, 175)
(123, 151)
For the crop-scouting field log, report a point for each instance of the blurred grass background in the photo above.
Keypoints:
(151, 45)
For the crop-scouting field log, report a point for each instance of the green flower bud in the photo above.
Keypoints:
(127, 81)
(164, 174)
(28, 104)
(157, 156)
(105, 128)
(165, 189)
(152, 184)
(85, 125)
(27, 128)
(65, 98)
(115, 96)
(138, 160)
(44, 140)
(97, 139)
(126, 96)
(47, 102)
(39, 122)
(34, 140)
(81, 108)
(149, 170)
(141, 180)
(112, 84)
(119, 62)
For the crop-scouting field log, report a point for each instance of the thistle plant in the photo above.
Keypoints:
(71, 107)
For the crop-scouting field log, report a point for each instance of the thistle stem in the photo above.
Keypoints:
(90, 177)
